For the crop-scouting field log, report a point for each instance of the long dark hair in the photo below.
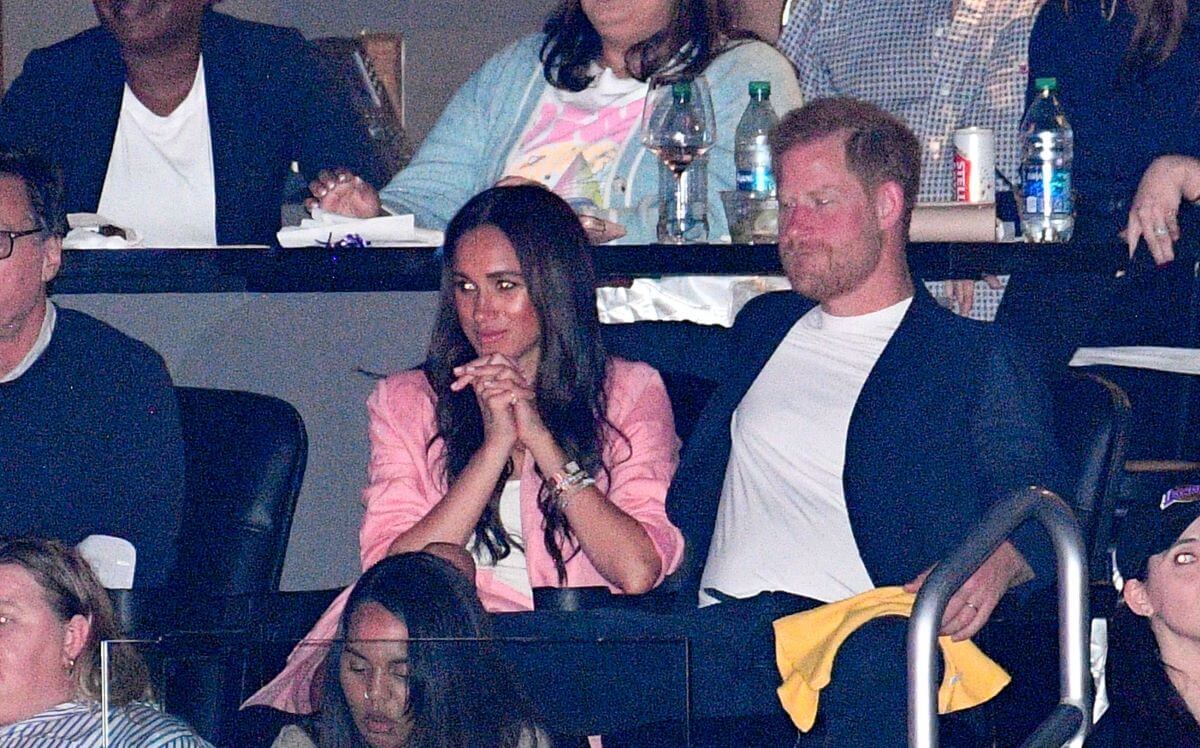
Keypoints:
(461, 693)
(556, 264)
(1158, 27)
(1156, 33)
(699, 31)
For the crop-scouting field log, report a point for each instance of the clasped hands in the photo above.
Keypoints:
(506, 398)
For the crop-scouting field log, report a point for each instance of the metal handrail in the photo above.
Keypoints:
(1069, 721)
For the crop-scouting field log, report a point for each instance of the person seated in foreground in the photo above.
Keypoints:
(92, 440)
(858, 433)
(181, 122)
(1153, 670)
(519, 437)
(53, 616)
(414, 667)
(563, 108)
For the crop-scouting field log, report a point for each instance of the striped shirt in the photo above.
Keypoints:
(77, 725)
(937, 64)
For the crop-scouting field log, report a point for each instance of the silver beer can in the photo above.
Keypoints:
(975, 165)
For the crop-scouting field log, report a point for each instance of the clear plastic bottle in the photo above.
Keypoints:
(1047, 145)
(751, 151)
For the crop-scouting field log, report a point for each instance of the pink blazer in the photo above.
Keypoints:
(407, 478)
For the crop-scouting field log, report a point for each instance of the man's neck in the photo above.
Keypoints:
(17, 340)
(889, 284)
(162, 78)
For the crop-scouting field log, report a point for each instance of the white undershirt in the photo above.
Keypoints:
(782, 524)
(511, 569)
(39, 345)
(160, 176)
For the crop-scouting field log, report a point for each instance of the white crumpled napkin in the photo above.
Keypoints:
(384, 231)
(85, 234)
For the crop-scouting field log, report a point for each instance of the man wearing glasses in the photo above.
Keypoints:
(90, 441)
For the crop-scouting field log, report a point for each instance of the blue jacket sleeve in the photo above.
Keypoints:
(1013, 431)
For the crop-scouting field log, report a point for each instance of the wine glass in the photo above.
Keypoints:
(678, 127)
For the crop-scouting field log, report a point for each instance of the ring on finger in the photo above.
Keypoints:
(1160, 230)
(973, 606)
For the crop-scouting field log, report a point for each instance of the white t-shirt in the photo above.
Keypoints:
(782, 525)
(39, 345)
(510, 570)
(160, 176)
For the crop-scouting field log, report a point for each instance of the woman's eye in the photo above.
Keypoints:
(466, 286)
(1186, 557)
(4, 619)
(400, 672)
(506, 285)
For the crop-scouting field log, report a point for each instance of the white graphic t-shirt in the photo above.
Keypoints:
(574, 140)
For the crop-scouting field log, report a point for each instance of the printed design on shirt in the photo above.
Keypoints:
(572, 150)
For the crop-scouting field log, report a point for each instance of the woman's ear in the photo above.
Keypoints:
(75, 637)
(1137, 598)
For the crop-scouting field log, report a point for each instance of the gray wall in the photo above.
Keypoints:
(446, 39)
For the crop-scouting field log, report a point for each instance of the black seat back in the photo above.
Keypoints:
(245, 456)
(1092, 418)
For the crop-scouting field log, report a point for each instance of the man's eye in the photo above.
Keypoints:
(5, 619)
(506, 285)
(1186, 557)
(466, 286)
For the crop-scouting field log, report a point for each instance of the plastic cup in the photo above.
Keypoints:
(751, 219)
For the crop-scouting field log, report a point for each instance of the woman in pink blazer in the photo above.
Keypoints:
(518, 438)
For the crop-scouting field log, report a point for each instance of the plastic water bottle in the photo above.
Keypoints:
(751, 151)
(1047, 207)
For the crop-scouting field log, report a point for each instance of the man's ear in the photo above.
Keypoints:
(889, 204)
(51, 258)
(1138, 598)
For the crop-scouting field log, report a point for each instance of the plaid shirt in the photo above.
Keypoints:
(935, 68)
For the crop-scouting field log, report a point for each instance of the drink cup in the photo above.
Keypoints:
(975, 165)
(752, 220)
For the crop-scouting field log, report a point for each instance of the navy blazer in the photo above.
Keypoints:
(269, 103)
(948, 420)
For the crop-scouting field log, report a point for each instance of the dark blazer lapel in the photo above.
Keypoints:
(228, 95)
(97, 117)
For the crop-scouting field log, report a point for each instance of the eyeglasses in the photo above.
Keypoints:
(6, 247)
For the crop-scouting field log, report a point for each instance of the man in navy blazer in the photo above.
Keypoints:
(269, 103)
(857, 434)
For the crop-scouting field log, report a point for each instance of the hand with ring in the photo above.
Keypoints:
(1154, 214)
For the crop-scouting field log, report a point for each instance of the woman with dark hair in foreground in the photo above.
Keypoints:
(519, 439)
(415, 667)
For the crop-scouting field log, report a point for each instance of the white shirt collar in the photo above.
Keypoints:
(39, 345)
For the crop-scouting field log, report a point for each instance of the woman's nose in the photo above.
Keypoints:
(484, 307)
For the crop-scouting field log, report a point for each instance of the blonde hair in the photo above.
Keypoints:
(71, 588)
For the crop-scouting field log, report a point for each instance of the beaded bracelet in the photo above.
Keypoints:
(568, 481)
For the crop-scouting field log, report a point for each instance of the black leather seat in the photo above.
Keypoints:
(1091, 422)
(245, 456)
(1092, 417)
